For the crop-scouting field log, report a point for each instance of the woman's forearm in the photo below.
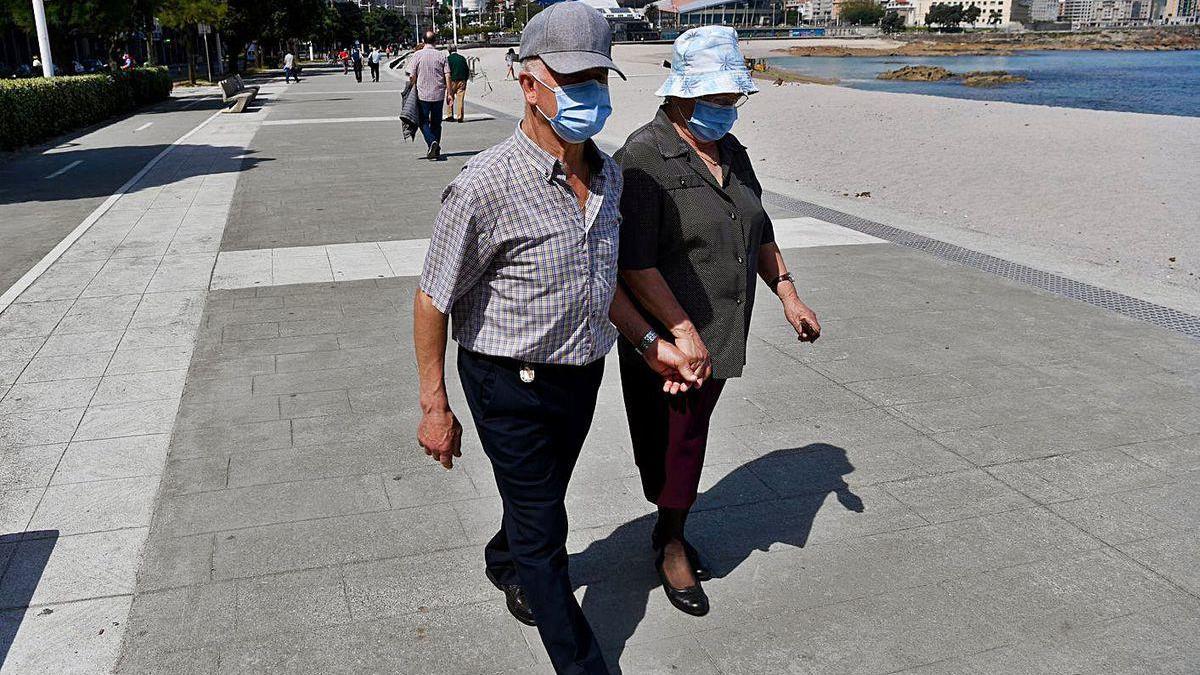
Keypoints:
(771, 266)
(652, 292)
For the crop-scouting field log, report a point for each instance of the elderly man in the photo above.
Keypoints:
(523, 255)
(430, 74)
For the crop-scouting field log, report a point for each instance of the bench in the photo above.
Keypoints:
(236, 91)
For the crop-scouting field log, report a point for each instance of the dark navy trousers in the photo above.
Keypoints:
(532, 432)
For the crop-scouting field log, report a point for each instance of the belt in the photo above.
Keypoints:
(523, 368)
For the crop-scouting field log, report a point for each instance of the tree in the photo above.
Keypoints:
(995, 17)
(860, 12)
(971, 14)
(946, 16)
(892, 22)
(68, 19)
(385, 26)
(651, 14)
(184, 15)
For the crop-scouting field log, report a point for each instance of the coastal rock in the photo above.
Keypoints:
(990, 78)
(917, 74)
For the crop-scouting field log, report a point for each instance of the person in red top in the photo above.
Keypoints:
(344, 57)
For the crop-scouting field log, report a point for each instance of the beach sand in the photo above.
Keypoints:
(1102, 197)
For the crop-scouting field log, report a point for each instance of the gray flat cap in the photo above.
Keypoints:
(569, 37)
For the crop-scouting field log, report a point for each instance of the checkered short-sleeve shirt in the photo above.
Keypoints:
(523, 271)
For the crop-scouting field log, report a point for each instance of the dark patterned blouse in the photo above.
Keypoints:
(702, 237)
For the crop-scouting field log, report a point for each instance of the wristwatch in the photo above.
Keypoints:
(780, 279)
(647, 340)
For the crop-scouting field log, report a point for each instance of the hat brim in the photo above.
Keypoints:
(704, 84)
(568, 63)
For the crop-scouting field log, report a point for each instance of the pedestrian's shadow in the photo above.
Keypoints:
(770, 500)
(23, 558)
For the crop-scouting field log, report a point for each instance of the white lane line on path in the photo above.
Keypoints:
(339, 120)
(42, 265)
(319, 264)
(405, 257)
(65, 169)
(144, 126)
(346, 91)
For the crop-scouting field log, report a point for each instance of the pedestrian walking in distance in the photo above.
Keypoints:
(344, 57)
(510, 57)
(373, 60)
(356, 61)
(456, 95)
(429, 71)
(694, 235)
(289, 68)
(523, 256)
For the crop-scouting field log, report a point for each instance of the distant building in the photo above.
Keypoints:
(733, 13)
(1044, 10)
(1181, 11)
(1078, 11)
(626, 23)
(991, 12)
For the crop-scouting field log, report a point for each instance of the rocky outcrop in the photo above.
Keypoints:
(917, 74)
(990, 78)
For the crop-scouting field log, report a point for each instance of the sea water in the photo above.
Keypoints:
(1164, 83)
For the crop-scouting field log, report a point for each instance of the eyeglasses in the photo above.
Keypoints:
(727, 100)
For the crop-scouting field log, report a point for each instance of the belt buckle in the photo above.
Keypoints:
(528, 374)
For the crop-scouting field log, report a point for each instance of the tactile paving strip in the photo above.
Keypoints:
(1120, 303)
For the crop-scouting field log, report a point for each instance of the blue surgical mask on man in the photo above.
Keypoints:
(582, 110)
(710, 122)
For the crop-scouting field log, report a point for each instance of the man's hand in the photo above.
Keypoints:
(689, 343)
(672, 364)
(803, 319)
(440, 434)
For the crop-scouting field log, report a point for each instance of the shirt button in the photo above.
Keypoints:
(739, 301)
(733, 216)
(740, 259)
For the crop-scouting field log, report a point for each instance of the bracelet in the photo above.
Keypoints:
(780, 279)
(647, 340)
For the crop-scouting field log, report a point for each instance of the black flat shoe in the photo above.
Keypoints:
(514, 598)
(691, 600)
(698, 567)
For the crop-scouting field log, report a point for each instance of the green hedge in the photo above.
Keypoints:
(35, 109)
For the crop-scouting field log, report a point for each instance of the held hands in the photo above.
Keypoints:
(673, 365)
(689, 343)
(440, 435)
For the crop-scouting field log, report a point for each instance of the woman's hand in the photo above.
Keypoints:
(803, 319)
(688, 342)
(672, 365)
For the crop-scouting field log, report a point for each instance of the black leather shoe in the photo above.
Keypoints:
(514, 597)
(691, 600)
(698, 568)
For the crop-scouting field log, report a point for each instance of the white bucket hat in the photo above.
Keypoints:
(707, 61)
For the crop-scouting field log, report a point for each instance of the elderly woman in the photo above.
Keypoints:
(694, 237)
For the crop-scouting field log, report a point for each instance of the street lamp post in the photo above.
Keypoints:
(39, 19)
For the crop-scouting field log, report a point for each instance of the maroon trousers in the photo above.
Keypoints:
(670, 433)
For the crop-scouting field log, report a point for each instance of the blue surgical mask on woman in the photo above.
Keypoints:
(582, 110)
(710, 122)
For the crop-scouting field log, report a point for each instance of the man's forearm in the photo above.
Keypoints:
(429, 340)
(626, 317)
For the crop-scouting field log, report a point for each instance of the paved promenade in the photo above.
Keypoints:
(208, 459)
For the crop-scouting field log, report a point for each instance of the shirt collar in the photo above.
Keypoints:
(547, 164)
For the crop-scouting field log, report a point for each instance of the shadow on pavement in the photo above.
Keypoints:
(23, 558)
(619, 569)
(25, 180)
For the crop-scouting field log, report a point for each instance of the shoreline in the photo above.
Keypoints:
(1007, 44)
